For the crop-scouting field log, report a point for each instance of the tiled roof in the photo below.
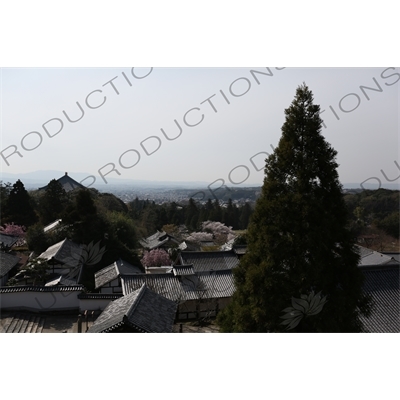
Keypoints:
(240, 249)
(64, 252)
(111, 272)
(371, 257)
(143, 310)
(157, 240)
(395, 255)
(159, 270)
(126, 268)
(209, 260)
(180, 270)
(67, 183)
(219, 284)
(208, 285)
(60, 280)
(99, 296)
(211, 285)
(105, 275)
(15, 289)
(363, 251)
(382, 283)
(113, 315)
(228, 245)
(182, 246)
(8, 240)
(166, 285)
(51, 226)
(193, 287)
(7, 263)
(152, 312)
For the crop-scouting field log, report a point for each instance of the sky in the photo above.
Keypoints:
(220, 122)
(178, 33)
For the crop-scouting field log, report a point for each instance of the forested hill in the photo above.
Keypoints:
(374, 212)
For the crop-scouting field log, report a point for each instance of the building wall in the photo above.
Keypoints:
(3, 280)
(193, 309)
(40, 301)
(113, 287)
(93, 304)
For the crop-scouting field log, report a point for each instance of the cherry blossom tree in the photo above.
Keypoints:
(156, 258)
(15, 230)
(220, 232)
(196, 237)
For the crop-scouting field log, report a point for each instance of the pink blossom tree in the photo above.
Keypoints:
(197, 237)
(15, 230)
(220, 231)
(156, 258)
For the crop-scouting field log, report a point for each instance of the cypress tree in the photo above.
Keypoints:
(53, 202)
(19, 206)
(298, 244)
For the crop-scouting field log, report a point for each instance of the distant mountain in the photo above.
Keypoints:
(36, 179)
(372, 186)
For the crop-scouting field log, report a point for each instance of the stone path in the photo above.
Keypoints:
(193, 328)
(25, 322)
(22, 323)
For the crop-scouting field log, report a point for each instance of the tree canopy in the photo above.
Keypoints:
(19, 208)
(298, 243)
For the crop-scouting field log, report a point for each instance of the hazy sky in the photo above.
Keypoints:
(362, 125)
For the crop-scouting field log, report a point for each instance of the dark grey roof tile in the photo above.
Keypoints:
(382, 283)
(180, 270)
(372, 257)
(64, 252)
(105, 276)
(17, 289)
(67, 183)
(143, 310)
(7, 241)
(217, 284)
(158, 239)
(114, 270)
(210, 261)
(7, 263)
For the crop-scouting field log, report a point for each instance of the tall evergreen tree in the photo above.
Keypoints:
(82, 218)
(5, 189)
(19, 206)
(192, 215)
(53, 202)
(173, 214)
(216, 213)
(298, 244)
(229, 214)
(245, 214)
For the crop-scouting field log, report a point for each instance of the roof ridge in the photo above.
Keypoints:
(116, 267)
(30, 288)
(103, 270)
(61, 245)
(183, 265)
(136, 302)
